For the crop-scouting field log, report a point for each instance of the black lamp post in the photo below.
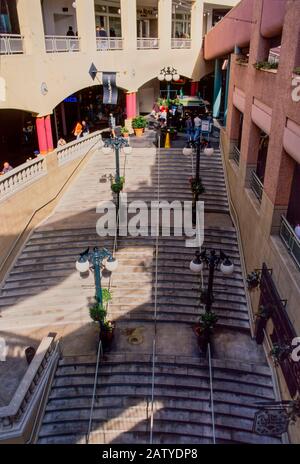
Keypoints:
(213, 261)
(168, 74)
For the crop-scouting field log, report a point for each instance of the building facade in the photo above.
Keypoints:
(261, 143)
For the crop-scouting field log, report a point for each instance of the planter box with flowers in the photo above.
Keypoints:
(203, 330)
(98, 314)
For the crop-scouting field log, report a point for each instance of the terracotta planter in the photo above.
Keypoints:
(203, 338)
(107, 336)
(138, 132)
(125, 135)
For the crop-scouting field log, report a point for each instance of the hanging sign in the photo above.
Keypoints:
(271, 422)
(110, 90)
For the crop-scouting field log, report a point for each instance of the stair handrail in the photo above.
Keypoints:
(99, 355)
(43, 402)
(155, 294)
(235, 219)
(211, 394)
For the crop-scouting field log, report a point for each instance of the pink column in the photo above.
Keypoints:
(41, 134)
(131, 105)
(194, 89)
(49, 136)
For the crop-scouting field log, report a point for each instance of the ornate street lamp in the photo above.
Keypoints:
(96, 258)
(117, 143)
(168, 74)
(212, 262)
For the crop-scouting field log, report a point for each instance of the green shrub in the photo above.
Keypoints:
(97, 312)
(140, 122)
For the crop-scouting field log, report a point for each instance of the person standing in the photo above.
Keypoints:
(6, 168)
(112, 124)
(70, 32)
(85, 129)
(197, 125)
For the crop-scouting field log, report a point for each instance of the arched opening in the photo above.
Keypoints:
(18, 139)
(86, 105)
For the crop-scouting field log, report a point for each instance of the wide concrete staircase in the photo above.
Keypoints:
(182, 406)
(44, 288)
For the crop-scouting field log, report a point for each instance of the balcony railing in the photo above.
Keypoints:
(109, 43)
(60, 43)
(78, 148)
(22, 176)
(236, 155)
(147, 43)
(290, 239)
(11, 44)
(181, 43)
(256, 185)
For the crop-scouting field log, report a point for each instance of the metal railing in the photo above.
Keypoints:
(181, 43)
(60, 43)
(21, 176)
(211, 395)
(290, 240)
(99, 355)
(109, 43)
(256, 185)
(77, 148)
(147, 43)
(236, 155)
(11, 44)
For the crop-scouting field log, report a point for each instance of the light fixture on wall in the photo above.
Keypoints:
(74, 5)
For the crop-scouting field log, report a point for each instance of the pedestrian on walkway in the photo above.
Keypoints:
(70, 32)
(6, 168)
(85, 129)
(189, 130)
(197, 125)
(61, 142)
(78, 130)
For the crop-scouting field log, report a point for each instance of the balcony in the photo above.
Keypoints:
(236, 155)
(181, 43)
(290, 240)
(60, 43)
(256, 186)
(109, 43)
(148, 43)
(11, 44)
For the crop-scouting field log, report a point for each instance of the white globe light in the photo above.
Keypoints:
(82, 265)
(127, 150)
(168, 77)
(176, 77)
(74, 5)
(209, 151)
(106, 150)
(111, 265)
(227, 267)
(187, 151)
(196, 267)
(161, 77)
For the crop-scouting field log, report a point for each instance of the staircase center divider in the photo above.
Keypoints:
(100, 348)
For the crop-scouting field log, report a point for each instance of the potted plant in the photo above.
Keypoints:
(124, 132)
(138, 124)
(196, 186)
(204, 329)
(253, 280)
(279, 352)
(117, 185)
(107, 334)
(261, 319)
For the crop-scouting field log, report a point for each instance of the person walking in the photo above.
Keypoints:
(112, 125)
(197, 125)
(189, 129)
(85, 129)
(78, 130)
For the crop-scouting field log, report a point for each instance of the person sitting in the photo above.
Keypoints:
(61, 142)
(6, 168)
(70, 32)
